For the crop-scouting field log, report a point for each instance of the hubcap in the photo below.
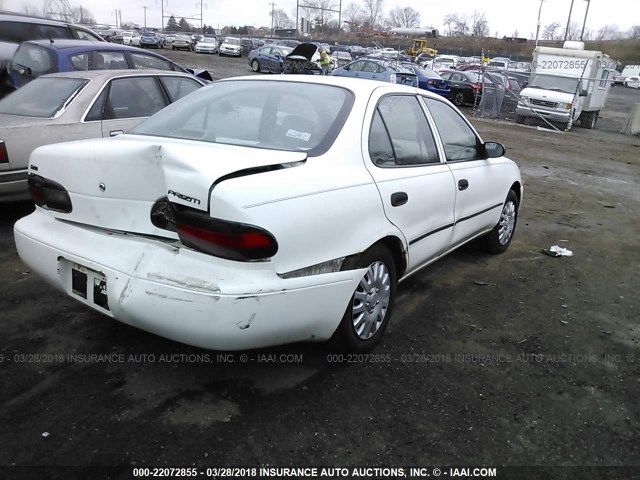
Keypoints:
(507, 223)
(255, 66)
(371, 300)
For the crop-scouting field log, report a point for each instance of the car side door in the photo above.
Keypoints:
(416, 186)
(125, 102)
(480, 181)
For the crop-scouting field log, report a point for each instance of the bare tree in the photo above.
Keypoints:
(353, 13)
(574, 31)
(406, 17)
(281, 19)
(608, 32)
(634, 32)
(321, 14)
(461, 26)
(550, 31)
(373, 10)
(81, 15)
(479, 25)
(448, 21)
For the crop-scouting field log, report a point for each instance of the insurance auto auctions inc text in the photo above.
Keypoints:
(373, 472)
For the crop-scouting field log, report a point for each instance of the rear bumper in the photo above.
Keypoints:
(13, 186)
(185, 295)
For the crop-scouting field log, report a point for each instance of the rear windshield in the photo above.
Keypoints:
(38, 60)
(263, 114)
(43, 97)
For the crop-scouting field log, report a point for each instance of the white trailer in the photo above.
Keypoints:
(566, 85)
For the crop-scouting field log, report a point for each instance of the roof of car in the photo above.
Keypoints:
(17, 17)
(64, 43)
(357, 85)
(96, 74)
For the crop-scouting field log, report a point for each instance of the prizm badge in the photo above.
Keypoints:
(186, 198)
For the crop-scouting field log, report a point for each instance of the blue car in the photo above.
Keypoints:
(268, 58)
(377, 69)
(151, 39)
(430, 80)
(39, 57)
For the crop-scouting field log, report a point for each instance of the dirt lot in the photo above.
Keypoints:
(518, 359)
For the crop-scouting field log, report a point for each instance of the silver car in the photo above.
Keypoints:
(78, 105)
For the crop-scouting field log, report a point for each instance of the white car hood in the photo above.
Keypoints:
(548, 95)
(114, 182)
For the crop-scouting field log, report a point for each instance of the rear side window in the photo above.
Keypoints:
(40, 60)
(18, 32)
(109, 61)
(178, 87)
(82, 35)
(43, 97)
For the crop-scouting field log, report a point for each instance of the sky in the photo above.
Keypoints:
(504, 16)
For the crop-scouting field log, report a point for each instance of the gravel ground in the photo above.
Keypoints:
(517, 359)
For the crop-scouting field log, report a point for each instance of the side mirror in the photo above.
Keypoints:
(494, 149)
(583, 93)
(346, 67)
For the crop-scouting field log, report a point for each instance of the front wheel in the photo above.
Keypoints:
(371, 305)
(499, 239)
(458, 99)
(520, 119)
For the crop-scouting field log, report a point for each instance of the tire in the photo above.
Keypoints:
(458, 99)
(520, 119)
(172, 47)
(360, 330)
(499, 239)
(588, 120)
(255, 65)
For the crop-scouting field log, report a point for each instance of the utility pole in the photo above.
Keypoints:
(584, 24)
(201, 17)
(162, 13)
(145, 17)
(273, 6)
(566, 32)
(538, 28)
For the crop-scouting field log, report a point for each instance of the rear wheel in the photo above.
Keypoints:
(499, 239)
(255, 65)
(371, 305)
(458, 99)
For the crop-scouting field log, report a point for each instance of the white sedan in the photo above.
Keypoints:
(632, 82)
(258, 212)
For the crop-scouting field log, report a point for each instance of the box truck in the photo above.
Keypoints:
(566, 85)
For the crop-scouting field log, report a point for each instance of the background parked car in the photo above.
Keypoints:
(40, 57)
(77, 105)
(268, 58)
(230, 46)
(151, 39)
(181, 42)
(207, 45)
(250, 44)
(377, 69)
(340, 58)
(466, 87)
(429, 80)
(632, 81)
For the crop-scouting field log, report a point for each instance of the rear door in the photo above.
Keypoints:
(416, 187)
(126, 102)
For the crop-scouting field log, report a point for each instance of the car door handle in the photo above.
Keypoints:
(113, 133)
(399, 198)
(463, 184)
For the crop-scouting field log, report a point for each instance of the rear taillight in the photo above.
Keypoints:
(4, 156)
(222, 238)
(49, 194)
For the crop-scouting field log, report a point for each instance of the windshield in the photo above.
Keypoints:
(208, 40)
(554, 83)
(43, 97)
(232, 41)
(263, 114)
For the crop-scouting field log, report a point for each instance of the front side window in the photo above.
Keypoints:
(178, 87)
(146, 62)
(133, 98)
(261, 114)
(42, 97)
(400, 118)
(459, 140)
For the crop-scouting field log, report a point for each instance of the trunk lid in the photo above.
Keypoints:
(113, 183)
